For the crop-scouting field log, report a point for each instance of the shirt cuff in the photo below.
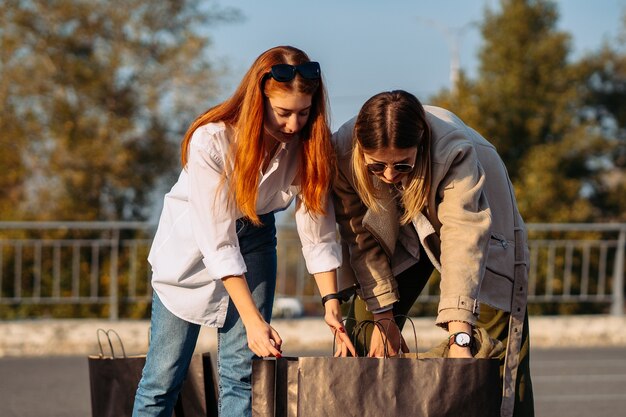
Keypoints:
(322, 257)
(380, 301)
(382, 309)
(224, 263)
(458, 308)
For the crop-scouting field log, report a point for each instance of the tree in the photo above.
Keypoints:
(94, 98)
(603, 93)
(528, 100)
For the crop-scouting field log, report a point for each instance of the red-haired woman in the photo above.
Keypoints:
(214, 253)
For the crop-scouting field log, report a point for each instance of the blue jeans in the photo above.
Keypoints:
(173, 340)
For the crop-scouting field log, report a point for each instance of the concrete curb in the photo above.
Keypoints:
(78, 336)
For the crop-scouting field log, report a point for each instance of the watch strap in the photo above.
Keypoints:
(452, 339)
(331, 296)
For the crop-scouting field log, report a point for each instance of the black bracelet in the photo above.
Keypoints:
(331, 296)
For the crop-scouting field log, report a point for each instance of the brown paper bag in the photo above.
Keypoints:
(275, 387)
(402, 386)
(113, 381)
(373, 387)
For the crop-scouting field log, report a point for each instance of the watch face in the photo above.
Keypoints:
(462, 339)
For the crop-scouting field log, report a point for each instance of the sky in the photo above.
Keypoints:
(369, 46)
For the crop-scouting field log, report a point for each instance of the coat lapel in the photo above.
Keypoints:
(384, 225)
(428, 238)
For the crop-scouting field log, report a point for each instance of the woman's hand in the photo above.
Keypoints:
(459, 352)
(386, 332)
(263, 339)
(333, 318)
(327, 284)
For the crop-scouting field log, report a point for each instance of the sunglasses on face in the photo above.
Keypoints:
(380, 167)
(285, 72)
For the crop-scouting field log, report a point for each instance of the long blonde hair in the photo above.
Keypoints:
(394, 119)
(245, 111)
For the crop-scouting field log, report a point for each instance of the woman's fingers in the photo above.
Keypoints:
(380, 345)
(263, 340)
(278, 342)
(338, 350)
(258, 349)
(377, 342)
(333, 318)
(347, 345)
(343, 345)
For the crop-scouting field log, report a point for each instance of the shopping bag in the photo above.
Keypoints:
(263, 388)
(366, 387)
(275, 387)
(114, 377)
(373, 387)
(198, 395)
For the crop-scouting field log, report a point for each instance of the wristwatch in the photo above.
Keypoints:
(462, 339)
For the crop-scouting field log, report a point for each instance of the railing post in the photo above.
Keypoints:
(617, 306)
(114, 285)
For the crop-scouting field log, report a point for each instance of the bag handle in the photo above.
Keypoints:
(393, 322)
(362, 327)
(107, 333)
(407, 318)
(357, 331)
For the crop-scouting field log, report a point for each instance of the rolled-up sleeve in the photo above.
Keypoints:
(466, 221)
(213, 219)
(318, 235)
(368, 260)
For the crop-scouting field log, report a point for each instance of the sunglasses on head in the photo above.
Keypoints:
(285, 72)
(380, 167)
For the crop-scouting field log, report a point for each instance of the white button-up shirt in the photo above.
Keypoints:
(196, 242)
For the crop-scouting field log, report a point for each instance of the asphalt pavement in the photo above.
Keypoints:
(572, 382)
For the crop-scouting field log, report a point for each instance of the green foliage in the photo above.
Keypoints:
(94, 99)
(603, 95)
(559, 126)
(522, 81)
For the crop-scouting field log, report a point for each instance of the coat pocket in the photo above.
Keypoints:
(501, 256)
(497, 286)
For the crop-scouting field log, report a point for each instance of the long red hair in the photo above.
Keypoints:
(245, 111)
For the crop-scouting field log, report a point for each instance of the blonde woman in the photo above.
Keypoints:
(417, 189)
(214, 253)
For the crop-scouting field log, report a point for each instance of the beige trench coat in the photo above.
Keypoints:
(471, 230)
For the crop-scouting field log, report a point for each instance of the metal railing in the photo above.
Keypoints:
(578, 263)
(104, 263)
(70, 263)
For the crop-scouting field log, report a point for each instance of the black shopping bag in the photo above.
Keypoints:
(113, 381)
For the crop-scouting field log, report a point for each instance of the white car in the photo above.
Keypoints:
(287, 307)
